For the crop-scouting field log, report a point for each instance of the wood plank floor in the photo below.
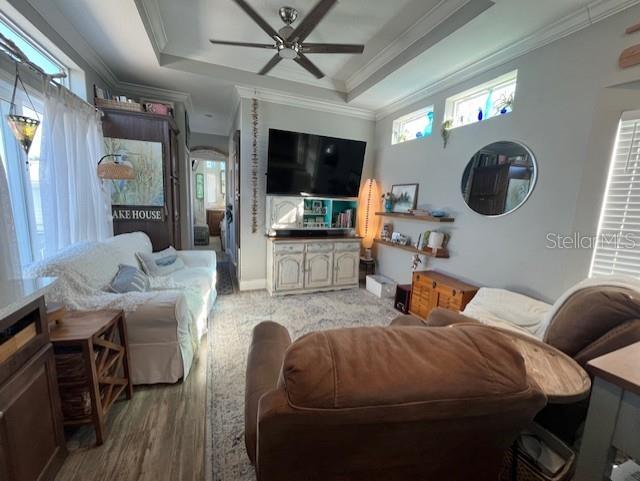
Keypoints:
(157, 436)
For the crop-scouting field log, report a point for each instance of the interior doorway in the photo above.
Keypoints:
(209, 201)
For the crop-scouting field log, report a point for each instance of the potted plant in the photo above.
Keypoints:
(389, 199)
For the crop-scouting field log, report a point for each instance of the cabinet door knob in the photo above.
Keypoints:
(434, 284)
(454, 292)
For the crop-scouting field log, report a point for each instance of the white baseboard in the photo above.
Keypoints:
(253, 285)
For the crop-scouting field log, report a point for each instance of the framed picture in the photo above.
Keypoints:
(398, 238)
(405, 197)
(148, 163)
(199, 186)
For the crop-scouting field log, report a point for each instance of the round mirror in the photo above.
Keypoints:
(499, 178)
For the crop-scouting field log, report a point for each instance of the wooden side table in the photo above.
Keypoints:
(92, 361)
(613, 419)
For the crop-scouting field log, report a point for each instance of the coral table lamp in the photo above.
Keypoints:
(367, 219)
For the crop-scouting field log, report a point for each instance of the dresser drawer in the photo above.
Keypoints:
(347, 246)
(320, 247)
(281, 248)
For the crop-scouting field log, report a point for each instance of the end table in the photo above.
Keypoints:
(92, 363)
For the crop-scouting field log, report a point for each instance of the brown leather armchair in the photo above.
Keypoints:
(591, 322)
(384, 404)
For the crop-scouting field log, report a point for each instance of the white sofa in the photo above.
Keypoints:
(165, 324)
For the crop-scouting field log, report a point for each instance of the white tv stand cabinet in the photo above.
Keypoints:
(301, 265)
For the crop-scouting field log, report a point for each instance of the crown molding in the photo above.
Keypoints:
(157, 92)
(284, 98)
(434, 17)
(149, 12)
(583, 17)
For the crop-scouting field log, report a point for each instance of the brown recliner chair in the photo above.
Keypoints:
(591, 322)
(384, 404)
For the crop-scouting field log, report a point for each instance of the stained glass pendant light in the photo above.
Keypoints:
(23, 128)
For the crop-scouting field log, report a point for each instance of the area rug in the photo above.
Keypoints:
(229, 336)
(224, 284)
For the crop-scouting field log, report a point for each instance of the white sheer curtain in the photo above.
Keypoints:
(9, 256)
(75, 206)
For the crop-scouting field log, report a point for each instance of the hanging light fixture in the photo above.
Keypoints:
(23, 128)
(117, 169)
(367, 219)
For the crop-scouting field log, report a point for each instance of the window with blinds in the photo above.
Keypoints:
(617, 250)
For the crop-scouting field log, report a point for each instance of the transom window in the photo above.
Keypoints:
(491, 99)
(413, 126)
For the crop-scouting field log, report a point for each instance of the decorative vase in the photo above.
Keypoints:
(503, 110)
(388, 205)
(480, 115)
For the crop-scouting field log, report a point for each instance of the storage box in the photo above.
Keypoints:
(381, 286)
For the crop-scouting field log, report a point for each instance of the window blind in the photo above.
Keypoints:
(617, 250)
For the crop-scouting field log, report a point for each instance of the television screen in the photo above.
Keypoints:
(311, 164)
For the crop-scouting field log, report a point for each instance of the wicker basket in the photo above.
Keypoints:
(74, 387)
(522, 468)
(114, 104)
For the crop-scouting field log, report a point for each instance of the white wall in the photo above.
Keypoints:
(220, 142)
(253, 245)
(568, 119)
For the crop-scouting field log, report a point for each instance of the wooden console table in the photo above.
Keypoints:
(92, 359)
(614, 413)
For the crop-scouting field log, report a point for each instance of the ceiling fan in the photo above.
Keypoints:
(289, 41)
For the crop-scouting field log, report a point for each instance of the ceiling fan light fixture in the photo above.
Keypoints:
(288, 52)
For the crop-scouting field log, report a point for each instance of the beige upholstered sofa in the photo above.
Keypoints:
(165, 324)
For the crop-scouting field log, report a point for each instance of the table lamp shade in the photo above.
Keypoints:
(367, 219)
(24, 129)
(116, 171)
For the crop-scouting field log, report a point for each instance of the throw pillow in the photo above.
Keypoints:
(129, 279)
(160, 263)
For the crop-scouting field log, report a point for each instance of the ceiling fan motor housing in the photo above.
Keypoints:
(288, 14)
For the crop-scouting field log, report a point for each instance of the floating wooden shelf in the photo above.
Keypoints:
(426, 251)
(421, 217)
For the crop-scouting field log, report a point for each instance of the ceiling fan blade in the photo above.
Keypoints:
(275, 60)
(308, 65)
(332, 48)
(258, 19)
(312, 20)
(269, 46)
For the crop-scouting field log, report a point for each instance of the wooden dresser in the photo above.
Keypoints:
(431, 289)
(32, 445)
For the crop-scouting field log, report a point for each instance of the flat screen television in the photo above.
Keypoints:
(300, 164)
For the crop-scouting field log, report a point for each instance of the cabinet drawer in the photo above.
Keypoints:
(320, 247)
(347, 246)
(280, 248)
